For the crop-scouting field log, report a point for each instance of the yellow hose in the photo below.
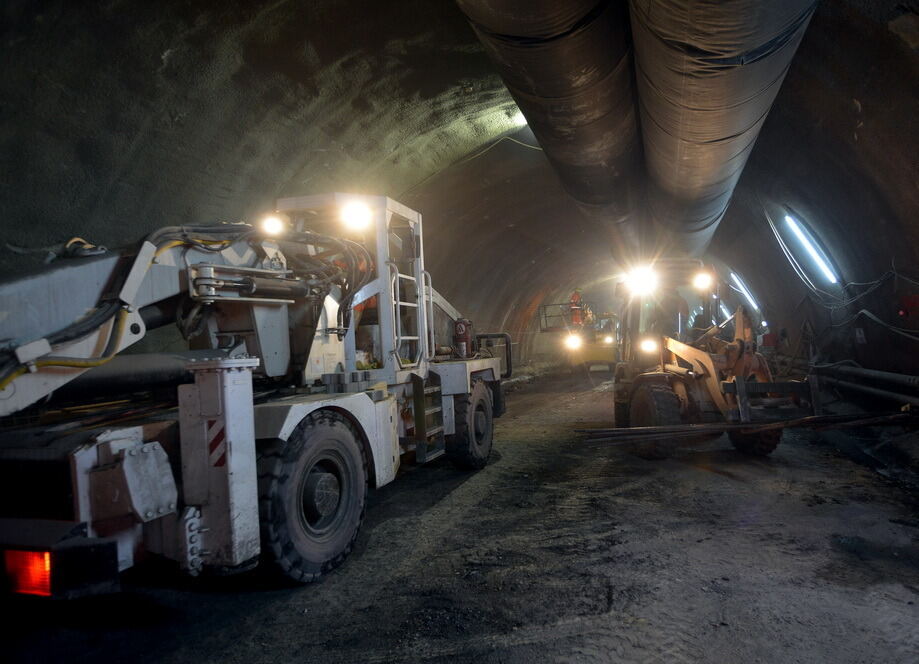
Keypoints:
(10, 377)
(114, 342)
(77, 362)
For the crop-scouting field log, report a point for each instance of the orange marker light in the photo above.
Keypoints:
(29, 572)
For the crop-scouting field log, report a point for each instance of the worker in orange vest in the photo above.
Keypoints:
(574, 303)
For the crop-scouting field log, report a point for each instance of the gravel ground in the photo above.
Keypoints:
(558, 551)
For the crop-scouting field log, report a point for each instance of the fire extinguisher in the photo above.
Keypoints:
(462, 337)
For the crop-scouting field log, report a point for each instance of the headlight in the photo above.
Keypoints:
(641, 281)
(573, 342)
(703, 281)
(356, 216)
(608, 340)
(272, 225)
(648, 346)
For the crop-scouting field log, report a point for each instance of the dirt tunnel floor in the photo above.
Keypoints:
(559, 550)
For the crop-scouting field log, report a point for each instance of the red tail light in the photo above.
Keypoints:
(29, 572)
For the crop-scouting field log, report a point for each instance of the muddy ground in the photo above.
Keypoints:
(558, 551)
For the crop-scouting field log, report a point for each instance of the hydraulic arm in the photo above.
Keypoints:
(231, 286)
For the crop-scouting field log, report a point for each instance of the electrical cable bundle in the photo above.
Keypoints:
(356, 272)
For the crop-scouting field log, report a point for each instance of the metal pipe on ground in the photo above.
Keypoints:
(873, 391)
(707, 73)
(871, 374)
(568, 66)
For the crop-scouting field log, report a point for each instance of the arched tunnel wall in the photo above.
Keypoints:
(840, 149)
(119, 118)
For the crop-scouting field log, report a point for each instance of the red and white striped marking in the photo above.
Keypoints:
(216, 442)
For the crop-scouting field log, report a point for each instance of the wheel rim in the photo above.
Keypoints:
(324, 494)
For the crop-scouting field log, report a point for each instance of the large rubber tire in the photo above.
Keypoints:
(756, 444)
(499, 403)
(620, 414)
(654, 405)
(470, 446)
(312, 493)
(620, 408)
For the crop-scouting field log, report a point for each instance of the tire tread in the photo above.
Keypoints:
(272, 454)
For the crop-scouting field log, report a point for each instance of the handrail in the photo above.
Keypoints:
(429, 340)
(397, 319)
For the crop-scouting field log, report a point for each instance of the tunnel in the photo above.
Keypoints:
(541, 157)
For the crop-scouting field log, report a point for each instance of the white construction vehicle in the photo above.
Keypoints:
(320, 356)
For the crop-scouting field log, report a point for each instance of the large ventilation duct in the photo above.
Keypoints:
(708, 72)
(568, 66)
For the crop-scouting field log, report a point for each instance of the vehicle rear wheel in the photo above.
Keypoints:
(312, 492)
(756, 444)
(470, 446)
(655, 405)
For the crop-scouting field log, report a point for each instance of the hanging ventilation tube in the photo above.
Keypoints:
(568, 66)
(707, 73)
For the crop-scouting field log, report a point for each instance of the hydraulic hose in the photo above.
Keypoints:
(76, 362)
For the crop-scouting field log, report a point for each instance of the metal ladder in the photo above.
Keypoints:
(429, 418)
(421, 307)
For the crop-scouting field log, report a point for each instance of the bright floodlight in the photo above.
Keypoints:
(648, 346)
(743, 289)
(641, 281)
(811, 249)
(573, 342)
(273, 225)
(702, 281)
(607, 340)
(356, 216)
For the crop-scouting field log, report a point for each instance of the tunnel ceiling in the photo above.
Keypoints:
(122, 116)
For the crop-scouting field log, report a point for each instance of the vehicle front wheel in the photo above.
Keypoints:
(655, 405)
(312, 492)
(470, 446)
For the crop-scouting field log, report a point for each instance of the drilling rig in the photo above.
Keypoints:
(318, 357)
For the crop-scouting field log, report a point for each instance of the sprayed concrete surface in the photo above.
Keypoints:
(558, 551)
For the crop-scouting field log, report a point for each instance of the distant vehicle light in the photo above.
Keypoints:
(356, 216)
(273, 225)
(608, 340)
(764, 324)
(641, 281)
(648, 346)
(573, 342)
(703, 281)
